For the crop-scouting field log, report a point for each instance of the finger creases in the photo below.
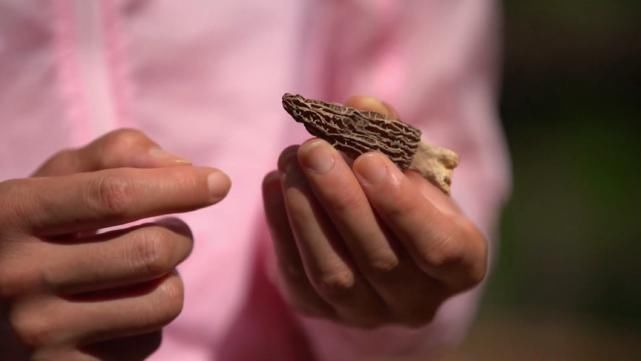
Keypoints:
(88, 201)
(117, 258)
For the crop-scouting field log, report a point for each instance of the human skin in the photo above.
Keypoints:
(362, 243)
(360, 252)
(69, 293)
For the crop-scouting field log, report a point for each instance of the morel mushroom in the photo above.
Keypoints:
(356, 132)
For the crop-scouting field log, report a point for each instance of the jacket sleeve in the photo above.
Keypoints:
(435, 62)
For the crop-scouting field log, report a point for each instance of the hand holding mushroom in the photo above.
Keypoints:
(368, 244)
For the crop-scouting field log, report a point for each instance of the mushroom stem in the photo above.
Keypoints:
(435, 164)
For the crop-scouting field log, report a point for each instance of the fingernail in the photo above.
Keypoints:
(219, 185)
(318, 156)
(163, 155)
(371, 169)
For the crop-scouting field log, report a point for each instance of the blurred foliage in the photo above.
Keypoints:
(577, 15)
(571, 110)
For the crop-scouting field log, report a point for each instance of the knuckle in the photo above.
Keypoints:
(32, 329)
(151, 252)
(123, 139)
(383, 262)
(110, 195)
(334, 285)
(445, 253)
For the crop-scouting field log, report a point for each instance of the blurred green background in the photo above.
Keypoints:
(567, 281)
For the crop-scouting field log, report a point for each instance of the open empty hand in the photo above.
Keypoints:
(70, 293)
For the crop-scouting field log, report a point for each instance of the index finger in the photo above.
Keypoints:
(88, 201)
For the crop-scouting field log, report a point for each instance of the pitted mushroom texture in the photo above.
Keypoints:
(356, 132)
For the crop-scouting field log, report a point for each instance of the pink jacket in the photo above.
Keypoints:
(204, 79)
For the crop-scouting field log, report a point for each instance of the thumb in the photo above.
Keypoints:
(372, 104)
